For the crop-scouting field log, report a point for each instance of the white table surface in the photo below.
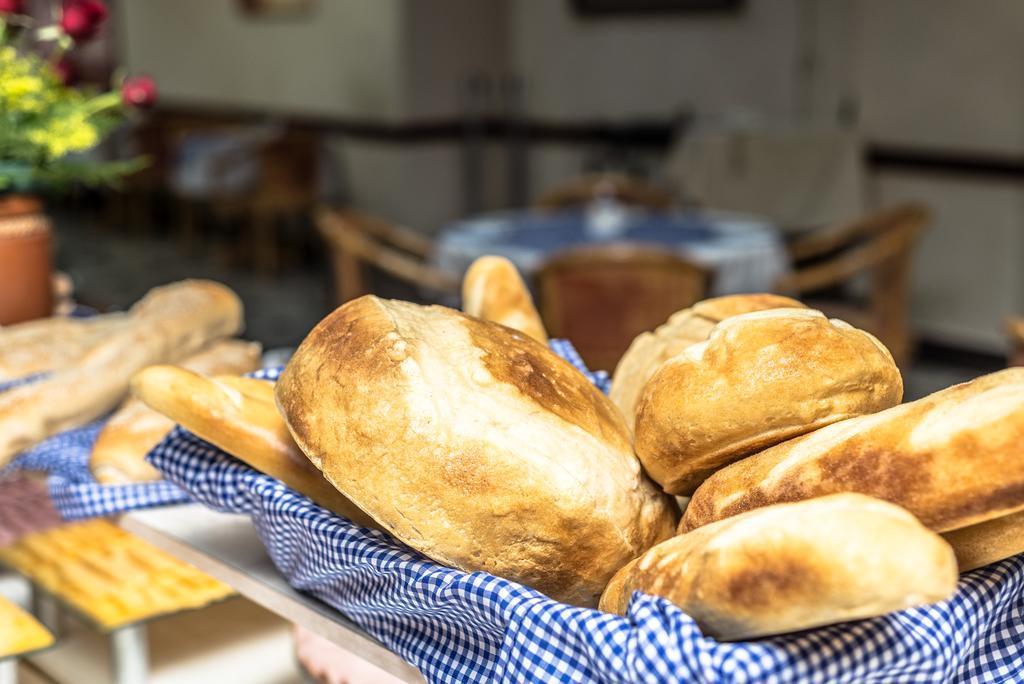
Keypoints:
(745, 253)
(226, 547)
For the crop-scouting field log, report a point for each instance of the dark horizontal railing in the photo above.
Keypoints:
(656, 134)
(648, 134)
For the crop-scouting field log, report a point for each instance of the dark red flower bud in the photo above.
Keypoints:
(139, 92)
(81, 19)
(66, 71)
(12, 7)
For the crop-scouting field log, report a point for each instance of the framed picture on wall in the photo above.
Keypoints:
(275, 8)
(622, 7)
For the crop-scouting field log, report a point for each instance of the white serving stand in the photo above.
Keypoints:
(226, 547)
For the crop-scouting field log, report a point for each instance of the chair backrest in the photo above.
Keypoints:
(288, 169)
(357, 240)
(602, 296)
(581, 191)
(879, 246)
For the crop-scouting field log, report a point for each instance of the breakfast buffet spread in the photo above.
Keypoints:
(471, 498)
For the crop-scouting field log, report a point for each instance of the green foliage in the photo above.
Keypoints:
(45, 125)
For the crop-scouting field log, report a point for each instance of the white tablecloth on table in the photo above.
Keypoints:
(745, 254)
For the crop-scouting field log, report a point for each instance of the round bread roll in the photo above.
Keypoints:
(473, 444)
(793, 566)
(651, 349)
(760, 378)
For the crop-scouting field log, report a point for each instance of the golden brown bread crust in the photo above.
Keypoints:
(952, 459)
(759, 379)
(239, 416)
(493, 290)
(118, 455)
(165, 326)
(987, 542)
(52, 344)
(793, 566)
(474, 444)
(651, 349)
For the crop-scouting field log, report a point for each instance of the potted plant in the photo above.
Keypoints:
(46, 127)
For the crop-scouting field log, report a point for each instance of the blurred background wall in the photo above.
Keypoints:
(913, 78)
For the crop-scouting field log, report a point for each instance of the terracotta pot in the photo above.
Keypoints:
(26, 261)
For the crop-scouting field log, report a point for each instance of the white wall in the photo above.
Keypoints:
(652, 66)
(445, 42)
(948, 75)
(344, 58)
(943, 73)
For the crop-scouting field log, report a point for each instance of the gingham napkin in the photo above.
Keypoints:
(75, 492)
(474, 627)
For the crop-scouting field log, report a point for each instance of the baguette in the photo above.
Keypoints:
(953, 459)
(789, 567)
(493, 290)
(52, 344)
(651, 349)
(118, 455)
(167, 325)
(239, 416)
(760, 378)
(987, 542)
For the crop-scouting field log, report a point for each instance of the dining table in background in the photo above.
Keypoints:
(744, 253)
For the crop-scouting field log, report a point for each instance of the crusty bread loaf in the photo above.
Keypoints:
(51, 344)
(759, 379)
(952, 459)
(239, 416)
(167, 325)
(651, 349)
(118, 455)
(789, 567)
(493, 290)
(474, 444)
(987, 542)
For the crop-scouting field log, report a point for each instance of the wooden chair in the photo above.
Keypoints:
(358, 241)
(583, 190)
(602, 296)
(878, 247)
(1015, 336)
(285, 191)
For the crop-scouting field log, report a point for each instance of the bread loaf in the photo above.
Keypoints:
(689, 326)
(239, 416)
(167, 325)
(473, 444)
(51, 344)
(492, 289)
(952, 459)
(759, 379)
(987, 542)
(118, 455)
(793, 566)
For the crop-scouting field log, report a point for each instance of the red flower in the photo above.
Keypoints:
(138, 92)
(82, 18)
(66, 71)
(12, 7)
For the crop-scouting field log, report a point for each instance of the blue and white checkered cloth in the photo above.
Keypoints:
(75, 492)
(474, 627)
